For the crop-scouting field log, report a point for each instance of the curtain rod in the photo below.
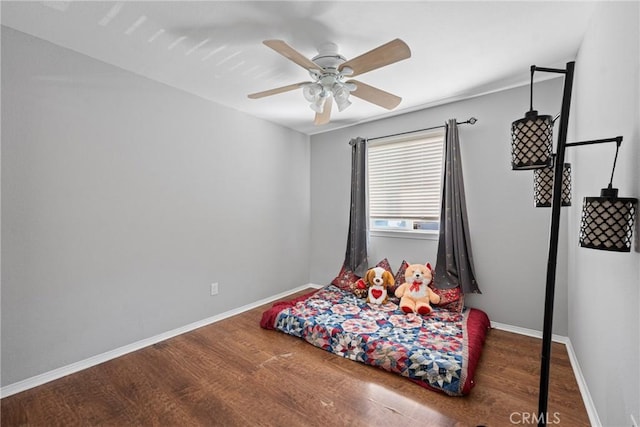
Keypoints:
(471, 121)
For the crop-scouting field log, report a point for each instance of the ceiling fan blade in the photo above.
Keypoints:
(324, 117)
(290, 53)
(394, 51)
(375, 96)
(276, 90)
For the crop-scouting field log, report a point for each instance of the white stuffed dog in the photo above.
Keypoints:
(378, 279)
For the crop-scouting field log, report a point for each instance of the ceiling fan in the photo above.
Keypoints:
(329, 69)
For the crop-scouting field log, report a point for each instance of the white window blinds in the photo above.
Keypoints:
(404, 177)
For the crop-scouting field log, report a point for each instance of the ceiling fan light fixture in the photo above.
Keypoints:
(318, 104)
(342, 105)
(312, 91)
(340, 92)
(341, 95)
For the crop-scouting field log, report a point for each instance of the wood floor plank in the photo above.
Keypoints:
(233, 373)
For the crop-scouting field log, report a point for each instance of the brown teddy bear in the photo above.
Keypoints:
(359, 288)
(378, 279)
(415, 294)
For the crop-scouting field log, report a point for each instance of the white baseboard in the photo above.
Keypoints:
(63, 371)
(528, 332)
(594, 420)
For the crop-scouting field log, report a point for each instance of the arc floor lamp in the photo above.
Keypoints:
(606, 222)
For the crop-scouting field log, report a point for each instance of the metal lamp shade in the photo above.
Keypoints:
(607, 221)
(543, 186)
(531, 141)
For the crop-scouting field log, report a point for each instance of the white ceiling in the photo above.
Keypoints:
(213, 49)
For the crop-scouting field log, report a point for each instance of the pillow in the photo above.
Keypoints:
(345, 279)
(450, 299)
(399, 277)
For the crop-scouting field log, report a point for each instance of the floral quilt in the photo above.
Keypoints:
(432, 350)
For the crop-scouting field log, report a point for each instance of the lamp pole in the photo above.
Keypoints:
(556, 204)
(553, 241)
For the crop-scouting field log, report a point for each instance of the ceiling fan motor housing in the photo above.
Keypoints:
(329, 78)
(328, 57)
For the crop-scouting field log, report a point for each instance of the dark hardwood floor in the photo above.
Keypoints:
(233, 373)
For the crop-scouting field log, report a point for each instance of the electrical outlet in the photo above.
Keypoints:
(214, 288)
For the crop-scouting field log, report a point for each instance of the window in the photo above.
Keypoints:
(404, 178)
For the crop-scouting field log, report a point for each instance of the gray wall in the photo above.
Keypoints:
(509, 235)
(123, 199)
(604, 287)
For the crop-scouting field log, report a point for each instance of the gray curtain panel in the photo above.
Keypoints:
(454, 263)
(355, 258)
